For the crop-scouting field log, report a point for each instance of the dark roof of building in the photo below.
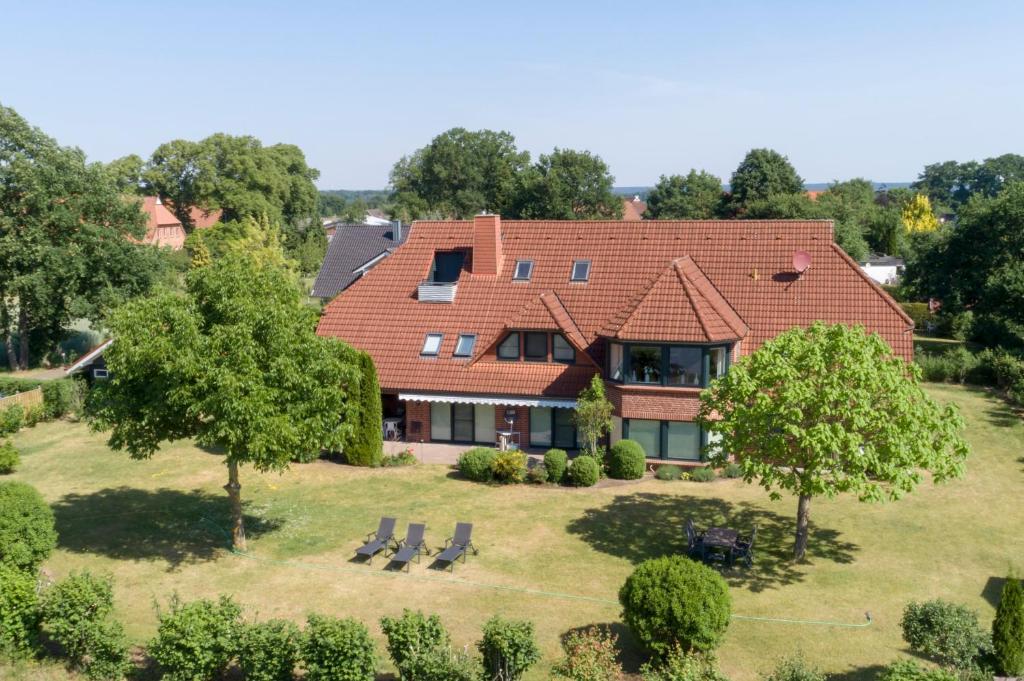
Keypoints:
(351, 252)
(883, 261)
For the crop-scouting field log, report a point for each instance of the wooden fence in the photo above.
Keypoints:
(29, 398)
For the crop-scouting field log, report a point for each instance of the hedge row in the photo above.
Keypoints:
(994, 368)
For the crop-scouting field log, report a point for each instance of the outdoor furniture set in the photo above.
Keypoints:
(720, 545)
(404, 551)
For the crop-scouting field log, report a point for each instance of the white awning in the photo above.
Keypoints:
(486, 399)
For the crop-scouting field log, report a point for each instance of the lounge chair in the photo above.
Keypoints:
(458, 546)
(744, 548)
(694, 540)
(378, 541)
(411, 546)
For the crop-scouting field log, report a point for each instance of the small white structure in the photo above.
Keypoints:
(885, 269)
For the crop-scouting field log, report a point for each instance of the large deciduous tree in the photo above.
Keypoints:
(950, 185)
(695, 196)
(567, 185)
(65, 239)
(234, 363)
(459, 174)
(826, 410)
(761, 174)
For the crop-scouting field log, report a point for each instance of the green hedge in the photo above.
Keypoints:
(994, 368)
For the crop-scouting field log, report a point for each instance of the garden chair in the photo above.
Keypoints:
(694, 540)
(378, 541)
(458, 545)
(411, 546)
(744, 548)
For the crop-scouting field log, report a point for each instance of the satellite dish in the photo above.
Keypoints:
(801, 261)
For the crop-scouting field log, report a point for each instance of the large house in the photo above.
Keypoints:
(487, 325)
(163, 228)
(352, 251)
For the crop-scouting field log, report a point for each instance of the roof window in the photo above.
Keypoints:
(524, 270)
(431, 344)
(464, 346)
(580, 270)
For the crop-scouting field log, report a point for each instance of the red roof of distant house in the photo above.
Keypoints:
(690, 280)
(633, 209)
(201, 219)
(813, 194)
(159, 215)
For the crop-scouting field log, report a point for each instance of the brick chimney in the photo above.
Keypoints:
(487, 245)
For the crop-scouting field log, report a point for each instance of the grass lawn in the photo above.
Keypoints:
(554, 556)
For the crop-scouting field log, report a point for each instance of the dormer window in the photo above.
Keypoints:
(464, 346)
(524, 270)
(431, 345)
(509, 348)
(580, 270)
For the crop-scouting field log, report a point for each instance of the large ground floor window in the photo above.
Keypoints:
(552, 428)
(680, 440)
(462, 422)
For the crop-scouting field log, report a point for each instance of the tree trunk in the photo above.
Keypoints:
(803, 521)
(234, 491)
(12, 359)
(23, 338)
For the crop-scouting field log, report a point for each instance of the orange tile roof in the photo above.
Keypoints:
(633, 209)
(158, 214)
(201, 219)
(732, 279)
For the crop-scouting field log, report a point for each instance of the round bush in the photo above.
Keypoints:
(196, 640)
(674, 601)
(703, 474)
(27, 534)
(508, 648)
(477, 463)
(9, 459)
(509, 467)
(19, 612)
(108, 653)
(584, 471)
(946, 632)
(268, 651)
(74, 609)
(556, 461)
(334, 649)
(668, 472)
(413, 635)
(627, 460)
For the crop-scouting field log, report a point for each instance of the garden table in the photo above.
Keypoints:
(719, 540)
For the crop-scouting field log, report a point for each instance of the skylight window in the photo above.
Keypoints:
(524, 269)
(431, 344)
(464, 346)
(580, 270)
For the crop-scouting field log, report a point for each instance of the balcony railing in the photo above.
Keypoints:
(437, 291)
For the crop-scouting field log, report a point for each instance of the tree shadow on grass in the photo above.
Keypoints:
(646, 525)
(870, 673)
(126, 523)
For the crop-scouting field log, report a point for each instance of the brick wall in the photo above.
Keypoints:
(639, 402)
(417, 412)
(521, 425)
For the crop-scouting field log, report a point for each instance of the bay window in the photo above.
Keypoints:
(692, 366)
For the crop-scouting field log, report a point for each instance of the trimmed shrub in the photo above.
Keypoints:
(1008, 628)
(413, 635)
(19, 612)
(509, 466)
(269, 651)
(703, 474)
(673, 601)
(556, 462)
(626, 460)
(477, 463)
(367, 441)
(908, 670)
(74, 609)
(196, 640)
(732, 470)
(946, 632)
(682, 666)
(9, 459)
(537, 474)
(795, 668)
(508, 647)
(11, 419)
(403, 458)
(27, 534)
(584, 471)
(335, 649)
(590, 655)
(668, 472)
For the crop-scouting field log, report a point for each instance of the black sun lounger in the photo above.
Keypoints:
(411, 546)
(378, 541)
(457, 546)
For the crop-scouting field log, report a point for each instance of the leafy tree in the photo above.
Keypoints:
(567, 185)
(761, 174)
(459, 174)
(696, 196)
(847, 228)
(234, 363)
(826, 410)
(256, 238)
(126, 173)
(918, 216)
(593, 415)
(951, 184)
(65, 240)
(1008, 628)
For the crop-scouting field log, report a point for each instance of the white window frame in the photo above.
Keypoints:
(517, 276)
(465, 337)
(586, 274)
(426, 352)
(100, 373)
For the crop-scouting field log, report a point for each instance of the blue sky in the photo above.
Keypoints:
(873, 89)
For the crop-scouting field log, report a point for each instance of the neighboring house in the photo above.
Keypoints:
(91, 364)
(353, 250)
(163, 228)
(885, 269)
(475, 323)
(375, 216)
(634, 208)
